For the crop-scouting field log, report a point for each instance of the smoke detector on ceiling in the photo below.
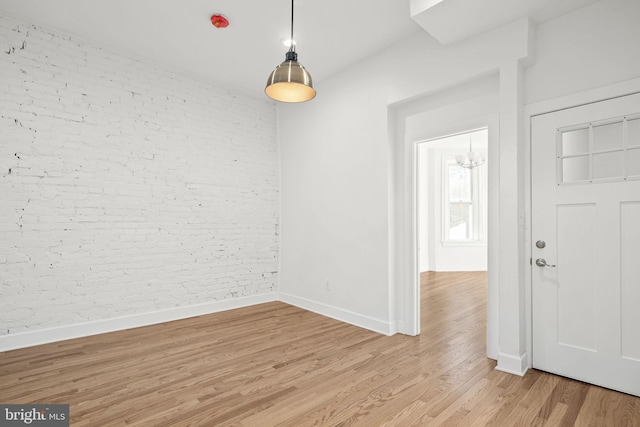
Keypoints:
(219, 21)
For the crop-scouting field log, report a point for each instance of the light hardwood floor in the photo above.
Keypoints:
(275, 364)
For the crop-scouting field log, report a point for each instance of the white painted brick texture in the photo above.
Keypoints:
(126, 189)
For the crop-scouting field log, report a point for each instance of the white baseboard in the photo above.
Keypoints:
(453, 268)
(79, 330)
(346, 316)
(396, 327)
(511, 364)
(61, 333)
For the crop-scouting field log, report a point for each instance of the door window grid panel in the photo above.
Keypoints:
(633, 132)
(599, 152)
(461, 221)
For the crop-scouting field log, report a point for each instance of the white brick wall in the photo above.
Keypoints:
(126, 189)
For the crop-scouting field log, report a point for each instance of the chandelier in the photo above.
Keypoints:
(471, 159)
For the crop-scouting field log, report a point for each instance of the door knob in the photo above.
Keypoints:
(541, 262)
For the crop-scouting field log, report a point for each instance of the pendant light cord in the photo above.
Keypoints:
(292, 47)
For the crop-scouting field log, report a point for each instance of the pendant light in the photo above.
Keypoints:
(471, 159)
(290, 82)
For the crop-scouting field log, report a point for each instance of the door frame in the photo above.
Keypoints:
(628, 87)
(405, 300)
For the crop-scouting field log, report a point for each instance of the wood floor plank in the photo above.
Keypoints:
(278, 365)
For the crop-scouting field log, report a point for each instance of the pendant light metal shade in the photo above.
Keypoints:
(290, 82)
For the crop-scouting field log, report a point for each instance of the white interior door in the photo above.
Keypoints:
(586, 228)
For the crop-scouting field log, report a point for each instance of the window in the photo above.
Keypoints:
(599, 152)
(462, 220)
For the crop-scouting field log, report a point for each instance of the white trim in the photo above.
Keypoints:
(398, 327)
(457, 267)
(511, 364)
(473, 95)
(615, 90)
(78, 330)
(356, 319)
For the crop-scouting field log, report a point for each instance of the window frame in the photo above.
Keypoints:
(478, 223)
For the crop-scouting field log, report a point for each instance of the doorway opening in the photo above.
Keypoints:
(451, 211)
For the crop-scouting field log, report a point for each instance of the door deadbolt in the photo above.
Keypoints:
(541, 244)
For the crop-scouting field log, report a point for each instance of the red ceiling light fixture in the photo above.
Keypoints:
(219, 21)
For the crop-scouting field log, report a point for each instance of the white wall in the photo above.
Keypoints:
(337, 161)
(590, 48)
(334, 220)
(126, 190)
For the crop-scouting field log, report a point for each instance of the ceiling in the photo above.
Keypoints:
(330, 34)
(450, 21)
